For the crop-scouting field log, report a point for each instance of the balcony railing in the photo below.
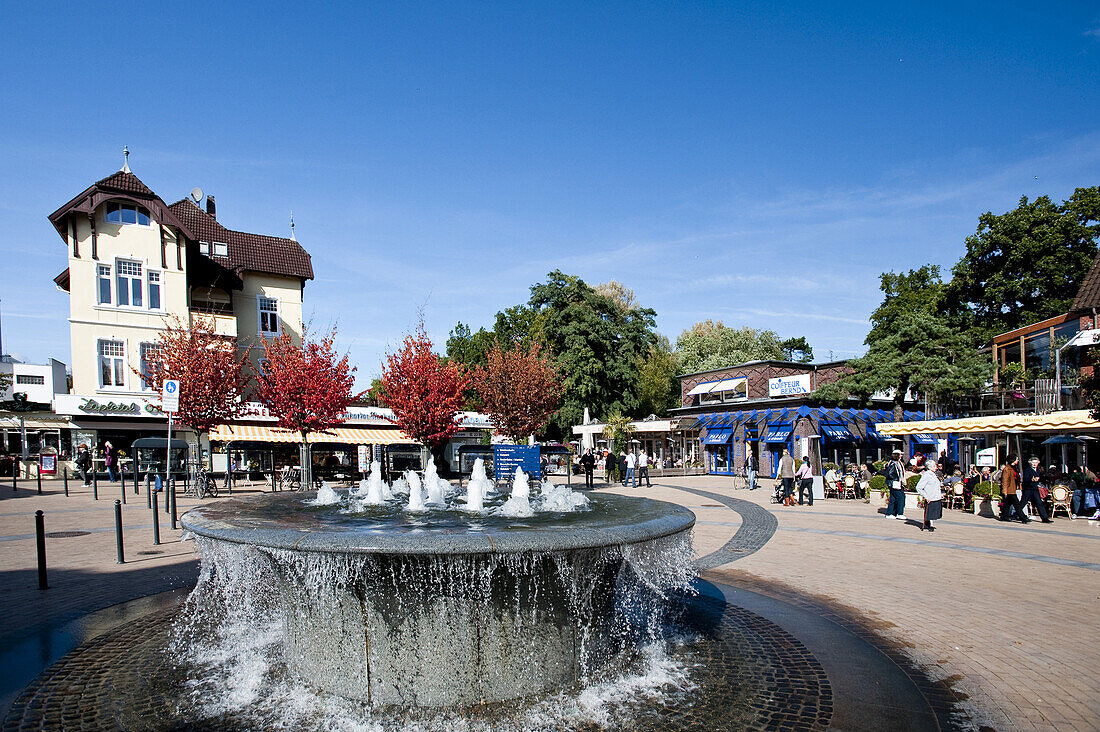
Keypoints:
(225, 324)
(1029, 397)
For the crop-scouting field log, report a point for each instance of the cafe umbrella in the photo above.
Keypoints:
(1064, 440)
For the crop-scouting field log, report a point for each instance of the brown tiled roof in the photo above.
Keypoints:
(125, 182)
(247, 252)
(1088, 295)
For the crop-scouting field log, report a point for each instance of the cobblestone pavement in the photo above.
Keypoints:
(1002, 614)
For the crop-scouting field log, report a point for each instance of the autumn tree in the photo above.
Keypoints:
(213, 374)
(307, 387)
(519, 388)
(424, 393)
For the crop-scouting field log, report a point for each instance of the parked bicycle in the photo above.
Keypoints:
(202, 484)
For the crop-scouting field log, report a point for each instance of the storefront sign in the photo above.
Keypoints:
(789, 385)
(364, 459)
(76, 404)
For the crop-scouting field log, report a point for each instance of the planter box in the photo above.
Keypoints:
(985, 506)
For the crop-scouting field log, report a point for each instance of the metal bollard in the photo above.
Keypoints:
(65, 475)
(148, 490)
(156, 519)
(122, 479)
(118, 532)
(95, 484)
(14, 476)
(173, 492)
(40, 536)
(38, 475)
(167, 493)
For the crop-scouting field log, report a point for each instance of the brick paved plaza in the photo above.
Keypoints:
(1000, 615)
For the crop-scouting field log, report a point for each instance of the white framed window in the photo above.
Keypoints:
(112, 364)
(221, 249)
(130, 285)
(103, 284)
(269, 315)
(204, 247)
(30, 379)
(154, 289)
(127, 213)
(148, 358)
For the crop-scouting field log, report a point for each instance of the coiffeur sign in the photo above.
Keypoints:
(789, 385)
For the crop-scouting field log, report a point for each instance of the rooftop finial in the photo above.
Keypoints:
(125, 159)
(292, 227)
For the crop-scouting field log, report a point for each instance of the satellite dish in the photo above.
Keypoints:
(196, 194)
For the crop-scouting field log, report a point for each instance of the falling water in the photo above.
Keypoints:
(434, 486)
(519, 504)
(416, 498)
(326, 496)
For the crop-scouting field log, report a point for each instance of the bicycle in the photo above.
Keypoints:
(290, 479)
(202, 485)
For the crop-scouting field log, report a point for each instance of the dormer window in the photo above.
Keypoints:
(127, 213)
(218, 248)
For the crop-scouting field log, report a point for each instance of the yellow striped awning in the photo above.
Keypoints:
(1069, 421)
(338, 435)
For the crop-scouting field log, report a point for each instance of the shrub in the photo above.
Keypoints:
(986, 488)
(878, 482)
(826, 467)
(911, 482)
(879, 465)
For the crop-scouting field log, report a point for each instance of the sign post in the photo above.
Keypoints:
(169, 404)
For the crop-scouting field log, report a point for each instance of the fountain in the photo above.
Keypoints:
(450, 601)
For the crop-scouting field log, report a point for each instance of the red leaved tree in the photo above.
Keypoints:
(212, 373)
(424, 393)
(307, 387)
(519, 388)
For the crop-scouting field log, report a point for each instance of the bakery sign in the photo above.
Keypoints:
(75, 404)
(789, 385)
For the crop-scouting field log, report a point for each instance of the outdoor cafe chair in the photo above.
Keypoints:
(957, 499)
(1060, 496)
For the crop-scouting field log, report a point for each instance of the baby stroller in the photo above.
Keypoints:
(777, 496)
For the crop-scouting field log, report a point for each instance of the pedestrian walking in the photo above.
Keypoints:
(805, 478)
(84, 464)
(643, 468)
(609, 464)
(895, 482)
(109, 458)
(1032, 489)
(929, 488)
(588, 463)
(1010, 483)
(631, 464)
(750, 471)
(786, 475)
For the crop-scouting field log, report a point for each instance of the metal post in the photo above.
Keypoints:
(38, 476)
(95, 483)
(173, 494)
(14, 476)
(118, 532)
(156, 519)
(167, 495)
(148, 491)
(40, 536)
(65, 475)
(122, 479)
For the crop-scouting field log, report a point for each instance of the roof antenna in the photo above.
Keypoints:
(292, 227)
(125, 159)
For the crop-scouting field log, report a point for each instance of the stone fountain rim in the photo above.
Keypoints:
(671, 519)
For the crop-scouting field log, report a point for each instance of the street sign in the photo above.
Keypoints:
(506, 458)
(170, 397)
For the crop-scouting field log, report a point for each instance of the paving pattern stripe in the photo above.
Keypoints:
(757, 527)
(101, 530)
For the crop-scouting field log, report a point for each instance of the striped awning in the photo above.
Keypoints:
(337, 435)
(1074, 420)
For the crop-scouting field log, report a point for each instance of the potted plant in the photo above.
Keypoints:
(985, 493)
(878, 491)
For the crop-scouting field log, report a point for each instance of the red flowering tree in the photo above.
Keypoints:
(424, 393)
(307, 387)
(519, 388)
(212, 373)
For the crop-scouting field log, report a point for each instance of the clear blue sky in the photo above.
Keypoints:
(757, 163)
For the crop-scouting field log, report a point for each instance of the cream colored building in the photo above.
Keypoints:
(136, 264)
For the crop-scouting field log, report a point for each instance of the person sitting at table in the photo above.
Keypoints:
(970, 483)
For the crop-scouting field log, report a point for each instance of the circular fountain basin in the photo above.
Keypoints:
(445, 607)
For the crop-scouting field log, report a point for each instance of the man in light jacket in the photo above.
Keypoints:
(630, 464)
(786, 474)
(895, 481)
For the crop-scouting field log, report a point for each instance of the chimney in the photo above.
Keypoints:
(211, 208)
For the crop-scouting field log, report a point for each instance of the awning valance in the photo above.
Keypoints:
(718, 436)
(838, 433)
(923, 439)
(777, 434)
(1074, 420)
(337, 435)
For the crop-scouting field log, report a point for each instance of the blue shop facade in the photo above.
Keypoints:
(763, 407)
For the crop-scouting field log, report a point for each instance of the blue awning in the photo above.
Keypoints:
(718, 436)
(874, 435)
(838, 433)
(777, 433)
(923, 439)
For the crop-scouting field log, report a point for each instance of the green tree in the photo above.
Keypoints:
(595, 343)
(618, 431)
(1024, 265)
(469, 348)
(708, 345)
(921, 353)
(520, 324)
(658, 388)
(917, 291)
(797, 349)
